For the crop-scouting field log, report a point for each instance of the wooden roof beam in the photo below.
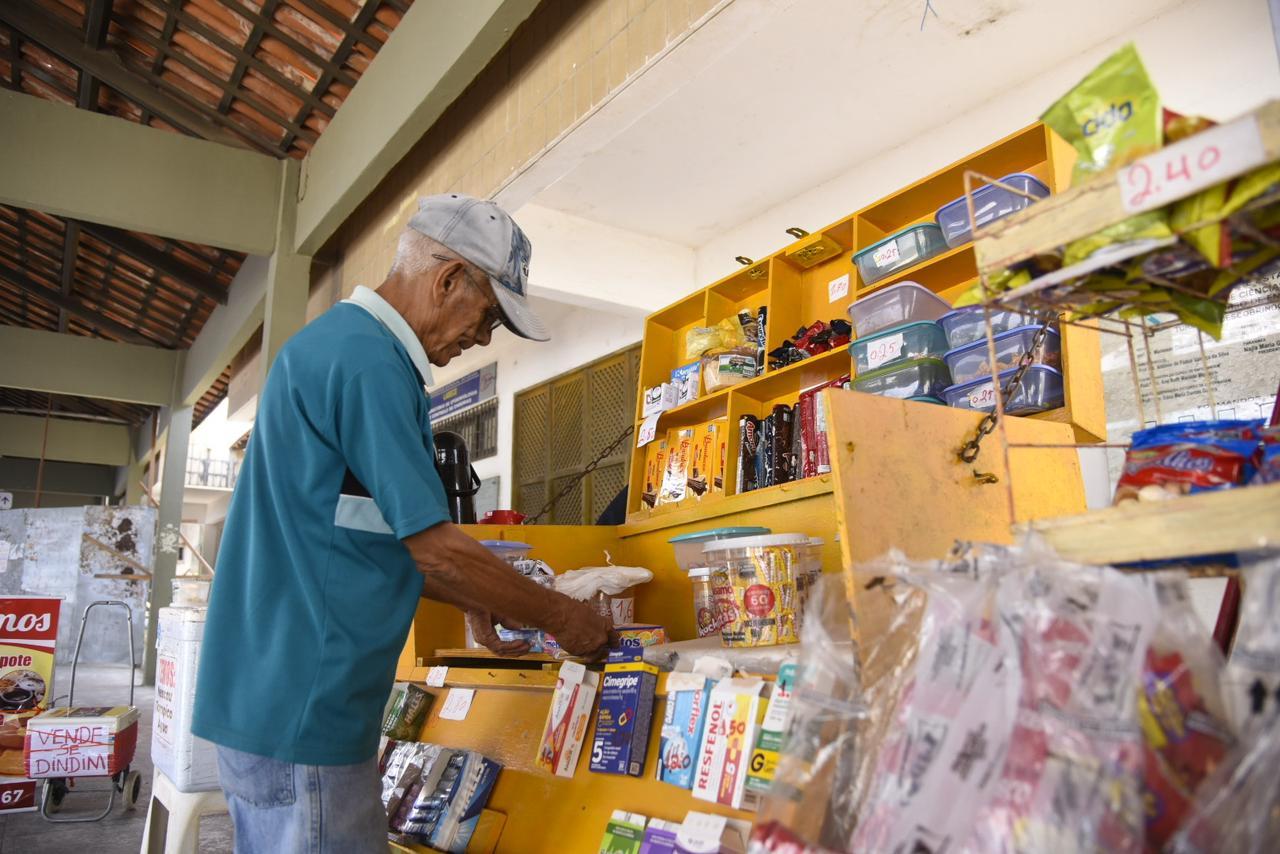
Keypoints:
(75, 307)
(159, 261)
(38, 26)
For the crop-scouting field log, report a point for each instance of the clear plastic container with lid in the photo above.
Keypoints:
(1040, 390)
(513, 553)
(899, 251)
(688, 547)
(918, 378)
(905, 302)
(972, 361)
(968, 324)
(508, 550)
(898, 344)
(761, 572)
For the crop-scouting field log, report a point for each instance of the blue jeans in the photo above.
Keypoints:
(302, 809)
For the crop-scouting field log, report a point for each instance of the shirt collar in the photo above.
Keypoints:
(383, 312)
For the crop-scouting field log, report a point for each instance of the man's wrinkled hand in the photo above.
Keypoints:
(584, 633)
(481, 623)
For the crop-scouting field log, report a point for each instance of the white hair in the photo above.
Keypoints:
(414, 253)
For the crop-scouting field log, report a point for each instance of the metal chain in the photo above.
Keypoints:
(590, 467)
(969, 452)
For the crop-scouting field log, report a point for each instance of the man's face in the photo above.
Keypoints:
(463, 314)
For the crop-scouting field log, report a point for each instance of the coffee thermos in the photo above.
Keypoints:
(461, 483)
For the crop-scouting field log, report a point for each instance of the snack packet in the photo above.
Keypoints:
(1268, 457)
(1177, 459)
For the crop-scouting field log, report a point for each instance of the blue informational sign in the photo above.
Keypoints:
(464, 392)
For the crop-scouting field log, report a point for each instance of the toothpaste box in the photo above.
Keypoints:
(624, 834)
(682, 725)
(764, 759)
(660, 837)
(566, 726)
(626, 712)
(733, 720)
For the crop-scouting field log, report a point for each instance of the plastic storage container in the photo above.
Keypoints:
(924, 398)
(1040, 389)
(508, 550)
(897, 344)
(990, 203)
(189, 761)
(905, 302)
(689, 546)
(899, 251)
(971, 362)
(965, 325)
(762, 575)
(712, 600)
(512, 552)
(918, 378)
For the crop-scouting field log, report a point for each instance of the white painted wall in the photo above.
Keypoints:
(578, 335)
(1212, 57)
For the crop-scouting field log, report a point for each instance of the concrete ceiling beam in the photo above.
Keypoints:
(67, 440)
(74, 365)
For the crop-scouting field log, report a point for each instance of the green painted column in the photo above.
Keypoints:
(288, 275)
(173, 481)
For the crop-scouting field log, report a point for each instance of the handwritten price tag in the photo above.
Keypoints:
(838, 288)
(887, 254)
(436, 676)
(885, 350)
(457, 703)
(1196, 163)
(648, 429)
(983, 397)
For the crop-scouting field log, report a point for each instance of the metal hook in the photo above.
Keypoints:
(985, 477)
(797, 232)
(743, 260)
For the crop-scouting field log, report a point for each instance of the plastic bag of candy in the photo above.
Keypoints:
(1170, 460)
(1268, 457)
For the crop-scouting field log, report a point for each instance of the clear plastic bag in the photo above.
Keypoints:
(813, 782)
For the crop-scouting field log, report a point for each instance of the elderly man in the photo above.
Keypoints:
(339, 523)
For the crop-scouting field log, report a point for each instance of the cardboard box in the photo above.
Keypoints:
(720, 438)
(566, 726)
(764, 759)
(626, 710)
(675, 483)
(660, 837)
(733, 719)
(624, 834)
(687, 380)
(81, 741)
(655, 469)
(659, 399)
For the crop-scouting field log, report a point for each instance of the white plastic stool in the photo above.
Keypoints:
(182, 832)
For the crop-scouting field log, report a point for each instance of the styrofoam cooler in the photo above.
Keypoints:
(188, 761)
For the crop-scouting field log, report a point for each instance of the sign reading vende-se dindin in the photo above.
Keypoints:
(28, 635)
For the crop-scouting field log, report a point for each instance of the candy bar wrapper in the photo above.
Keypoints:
(719, 433)
(700, 465)
(626, 711)
(624, 834)
(748, 448)
(779, 459)
(733, 719)
(655, 471)
(765, 470)
(675, 483)
(805, 429)
(566, 726)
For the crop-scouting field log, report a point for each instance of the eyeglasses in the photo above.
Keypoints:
(493, 313)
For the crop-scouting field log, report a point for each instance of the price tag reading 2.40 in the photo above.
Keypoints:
(884, 350)
(1194, 164)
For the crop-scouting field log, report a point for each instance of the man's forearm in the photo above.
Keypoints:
(461, 572)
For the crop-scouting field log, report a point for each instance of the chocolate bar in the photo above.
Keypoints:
(748, 446)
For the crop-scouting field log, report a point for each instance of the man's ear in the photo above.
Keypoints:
(448, 278)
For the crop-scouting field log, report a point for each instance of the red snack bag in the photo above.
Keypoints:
(1177, 459)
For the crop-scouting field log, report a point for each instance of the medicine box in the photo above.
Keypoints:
(626, 711)
(687, 381)
(764, 759)
(682, 726)
(659, 399)
(733, 719)
(624, 834)
(566, 726)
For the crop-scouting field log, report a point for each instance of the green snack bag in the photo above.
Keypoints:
(409, 710)
(1111, 117)
(1152, 224)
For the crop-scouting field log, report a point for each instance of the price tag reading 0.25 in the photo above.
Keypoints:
(1192, 165)
(885, 350)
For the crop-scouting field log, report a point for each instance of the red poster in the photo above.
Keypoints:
(28, 635)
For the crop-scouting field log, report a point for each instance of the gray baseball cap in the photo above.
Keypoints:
(485, 235)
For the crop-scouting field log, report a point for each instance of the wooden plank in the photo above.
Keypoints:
(1209, 523)
(638, 523)
(1080, 211)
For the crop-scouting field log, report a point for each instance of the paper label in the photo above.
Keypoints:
(838, 288)
(884, 350)
(648, 429)
(887, 254)
(983, 396)
(1196, 163)
(436, 676)
(457, 703)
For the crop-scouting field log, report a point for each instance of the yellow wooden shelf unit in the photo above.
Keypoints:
(795, 296)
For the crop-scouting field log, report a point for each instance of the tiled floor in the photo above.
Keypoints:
(121, 831)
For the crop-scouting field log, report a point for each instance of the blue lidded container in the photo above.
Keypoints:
(898, 344)
(990, 203)
(899, 251)
(965, 325)
(688, 547)
(1040, 390)
(971, 361)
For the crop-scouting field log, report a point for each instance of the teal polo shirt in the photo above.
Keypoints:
(314, 591)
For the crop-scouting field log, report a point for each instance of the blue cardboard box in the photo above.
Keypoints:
(626, 711)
